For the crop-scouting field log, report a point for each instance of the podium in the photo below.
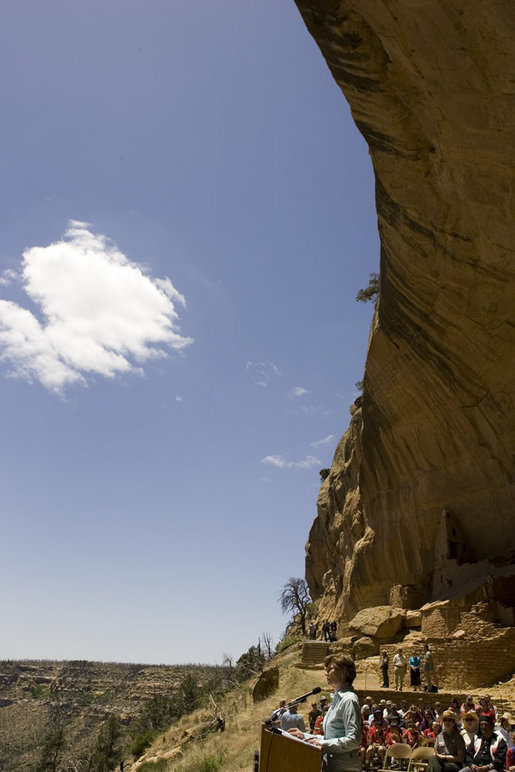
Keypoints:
(281, 753)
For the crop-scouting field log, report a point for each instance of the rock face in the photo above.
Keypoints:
(381, 622)
(430, 87)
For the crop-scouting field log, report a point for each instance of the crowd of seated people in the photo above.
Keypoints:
(470, 737)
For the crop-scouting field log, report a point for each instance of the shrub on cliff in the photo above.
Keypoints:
(371, 291)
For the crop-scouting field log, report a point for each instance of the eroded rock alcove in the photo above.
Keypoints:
(431, 88)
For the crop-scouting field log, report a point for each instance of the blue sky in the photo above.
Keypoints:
(187, 217)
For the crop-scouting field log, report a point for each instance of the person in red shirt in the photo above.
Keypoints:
(431, 734)
(469, 705)
(394, 733)
(486, 710)
(376, 738)
(318, 728)
(412, 736)
(364, 740)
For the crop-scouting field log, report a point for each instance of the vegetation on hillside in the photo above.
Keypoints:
(79, 728)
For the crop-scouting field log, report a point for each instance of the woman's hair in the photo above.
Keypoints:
(340, 661)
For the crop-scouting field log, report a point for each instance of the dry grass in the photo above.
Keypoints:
(233, 750)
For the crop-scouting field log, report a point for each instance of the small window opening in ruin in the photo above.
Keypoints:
(454, 531)
(453, 549)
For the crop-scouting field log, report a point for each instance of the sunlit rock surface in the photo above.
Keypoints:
(431, 88)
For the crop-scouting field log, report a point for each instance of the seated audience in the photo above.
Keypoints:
(449, 746)
(506, 723)
(427, 718)
(393, 733)
(394, 715)
(455, 707)
(413, 736)
(489, 703)
(470, 727)
(469, 705)
(432, 733)
(486, 709)
(487, 751)
(376, 738)
(510, 754)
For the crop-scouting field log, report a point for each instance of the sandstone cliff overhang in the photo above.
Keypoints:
(431, 88)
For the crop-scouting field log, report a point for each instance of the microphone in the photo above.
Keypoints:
(279, 711)
(304, 697)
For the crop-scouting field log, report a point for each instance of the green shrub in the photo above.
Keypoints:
(287, 641)
(39, 691)
(371, 291)
(212, 763)
(141, 742)
(150, 766)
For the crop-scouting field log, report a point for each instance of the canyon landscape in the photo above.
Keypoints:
(414, 537)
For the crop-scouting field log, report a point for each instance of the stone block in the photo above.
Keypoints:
(382, 622)
(413, 619)
(365, 647)
(267, 684)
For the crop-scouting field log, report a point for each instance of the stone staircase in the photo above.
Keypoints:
(313, 653)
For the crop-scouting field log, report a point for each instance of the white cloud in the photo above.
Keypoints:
(178, 398)
(281, 463)
(299, 391)
(325, 441)
(7, 277)
(262, 372)
(100, 313)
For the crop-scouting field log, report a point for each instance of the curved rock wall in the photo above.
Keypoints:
(431, 88)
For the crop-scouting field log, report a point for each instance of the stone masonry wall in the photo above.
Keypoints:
(461, 664)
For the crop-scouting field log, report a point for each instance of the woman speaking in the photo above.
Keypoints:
(342, 722)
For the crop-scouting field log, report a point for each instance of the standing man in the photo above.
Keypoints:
(449, 747)
(384, 669)
(399, 669)
(428, 667)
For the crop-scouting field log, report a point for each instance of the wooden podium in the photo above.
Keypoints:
(280, 753)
